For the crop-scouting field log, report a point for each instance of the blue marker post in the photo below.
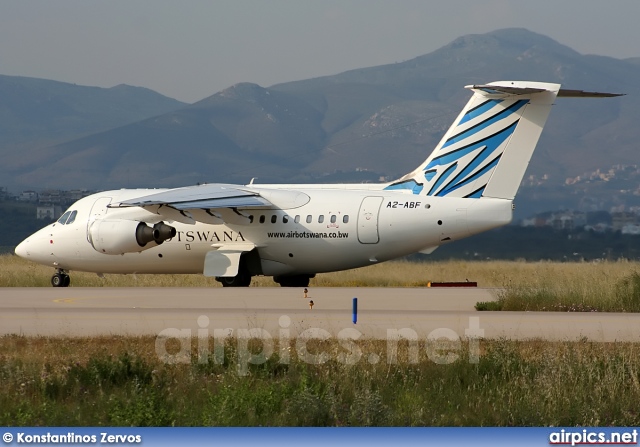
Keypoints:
(355, 310)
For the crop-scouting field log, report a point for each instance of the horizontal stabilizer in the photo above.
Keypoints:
(510, 90)
(564, 93)
(505, 90)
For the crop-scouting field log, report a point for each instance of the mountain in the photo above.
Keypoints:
(430, 86)
(212, 139)
(633, 60)
(38, 113)
(54, 110)
(363, 124)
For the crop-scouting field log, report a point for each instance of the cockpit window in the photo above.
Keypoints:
(68, 218)
(64, 217)
(72, 217)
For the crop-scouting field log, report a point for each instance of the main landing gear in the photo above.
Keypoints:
(293, 280)
(243, 279)
(60, 279)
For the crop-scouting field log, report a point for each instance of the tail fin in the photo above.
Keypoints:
(486, 151)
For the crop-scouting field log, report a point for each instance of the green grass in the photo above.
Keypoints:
(607, 295)
(489, 305)
(120, 381)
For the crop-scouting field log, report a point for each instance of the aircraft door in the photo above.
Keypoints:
(368, 220)
(98, 211)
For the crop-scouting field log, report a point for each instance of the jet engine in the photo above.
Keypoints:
(116, 237)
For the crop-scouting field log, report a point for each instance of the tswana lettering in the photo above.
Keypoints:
(208, 236)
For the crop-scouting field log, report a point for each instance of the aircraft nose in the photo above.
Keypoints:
(22, 249)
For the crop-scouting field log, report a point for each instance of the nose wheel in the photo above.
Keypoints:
(60, 279)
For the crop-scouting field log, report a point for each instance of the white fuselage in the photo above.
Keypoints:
(336, 227)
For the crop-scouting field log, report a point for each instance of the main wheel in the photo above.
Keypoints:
(242, 279)
(293, 280)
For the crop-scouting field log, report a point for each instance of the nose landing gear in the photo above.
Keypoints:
(60, 279)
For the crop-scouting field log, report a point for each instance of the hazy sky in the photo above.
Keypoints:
(191, 49)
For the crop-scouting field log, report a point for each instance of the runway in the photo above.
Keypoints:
(149, 311)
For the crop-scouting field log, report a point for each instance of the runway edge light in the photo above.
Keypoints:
(355, 310)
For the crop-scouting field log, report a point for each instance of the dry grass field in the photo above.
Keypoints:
(553, 286)
(17, 272)
(120, 381)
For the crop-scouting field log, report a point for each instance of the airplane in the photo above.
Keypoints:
(291, 232)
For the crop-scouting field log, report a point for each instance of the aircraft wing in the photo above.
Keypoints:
(202, 196)
(215, 203)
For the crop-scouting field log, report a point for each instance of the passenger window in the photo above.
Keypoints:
(297, 219)
(345, 219)
(309, 218)
(285, 219)
(274, 218)
(250, 218)
(64, 217)
(333, 219)
(72, 217)
(262, 219)
(321, 218)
